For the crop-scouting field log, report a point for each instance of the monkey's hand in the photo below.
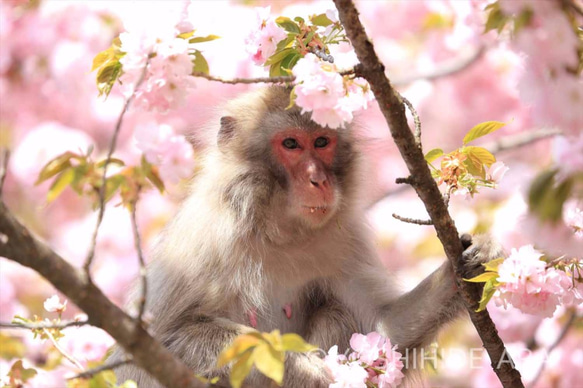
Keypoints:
(305, 370)
(479, 249)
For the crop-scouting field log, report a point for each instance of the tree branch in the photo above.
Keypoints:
(20, 246)
(4, 157)
(42, 325)
(393, 110)
(92, 372)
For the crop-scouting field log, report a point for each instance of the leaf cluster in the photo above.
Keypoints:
(264, 350)
(303, 37)
(490, 280)
(109, 68)
(85, 176)
(465, 167)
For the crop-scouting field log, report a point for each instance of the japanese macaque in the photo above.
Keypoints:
(272, 236)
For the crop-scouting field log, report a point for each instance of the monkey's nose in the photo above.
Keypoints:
(318, 181)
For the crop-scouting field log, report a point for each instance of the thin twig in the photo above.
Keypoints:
(415, 120)
(4, 156)
(520, 139)
(232, 81)
(412, 220)
(62, 351)
(92, 372)
(268, 80)
(112, 146)
(558, 340)
(42, 325)
(138, 246)
(404, 181)
(448, 68)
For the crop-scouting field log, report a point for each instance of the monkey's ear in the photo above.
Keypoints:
(227, 131)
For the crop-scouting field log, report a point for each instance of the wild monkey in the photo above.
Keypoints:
(272, 236)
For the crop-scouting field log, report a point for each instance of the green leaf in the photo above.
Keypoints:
(492, 265)
(288, 25)
(290, 61)
(129, 384)
(279, 56)
(285, 42)
(239, 346)
(200, 63)
(112, 161)
(101, 58)
(496, 19)
(294, 343)
(433, 154)
(477, 158)
(523, 20)
(269, 362)
(60, 184)
(489, 290)
(112, 184)
(299, 19)
(275, 70)
(202, 39)
(186, 35)
(546, 198)
(55, 166)
(20, 373)
(482, 129)
(321, 20)
(292, 98)
(240, 370)
(11, 347)
(484, 277)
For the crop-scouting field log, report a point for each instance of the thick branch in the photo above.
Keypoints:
(148, 353)
(393, 109)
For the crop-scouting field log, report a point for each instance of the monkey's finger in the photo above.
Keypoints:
(466, 240)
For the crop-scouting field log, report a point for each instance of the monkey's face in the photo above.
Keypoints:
(307, 158)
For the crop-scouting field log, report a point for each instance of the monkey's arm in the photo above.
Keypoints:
(413, 319)
(197, 340)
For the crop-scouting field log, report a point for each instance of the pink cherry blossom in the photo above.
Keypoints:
(574, 219)
(321, 90)
(161, 146)
(54, 305)
(262, 42)
(496, 172)
(568, 154)
(530, 286)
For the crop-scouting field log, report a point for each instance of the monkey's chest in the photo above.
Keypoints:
(283, 310)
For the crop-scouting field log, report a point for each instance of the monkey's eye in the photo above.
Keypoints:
(290, 143)
(321, 142)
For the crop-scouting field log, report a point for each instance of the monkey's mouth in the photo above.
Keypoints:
(314, 209)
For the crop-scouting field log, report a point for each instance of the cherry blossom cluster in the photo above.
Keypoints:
(374, 362)
(172, 153)
(550, 45)
(332, 98)
(167, 78)
(533, 286)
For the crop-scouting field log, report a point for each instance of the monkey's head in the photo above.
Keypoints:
(301, 171)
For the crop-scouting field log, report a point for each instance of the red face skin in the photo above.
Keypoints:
(307, 158)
